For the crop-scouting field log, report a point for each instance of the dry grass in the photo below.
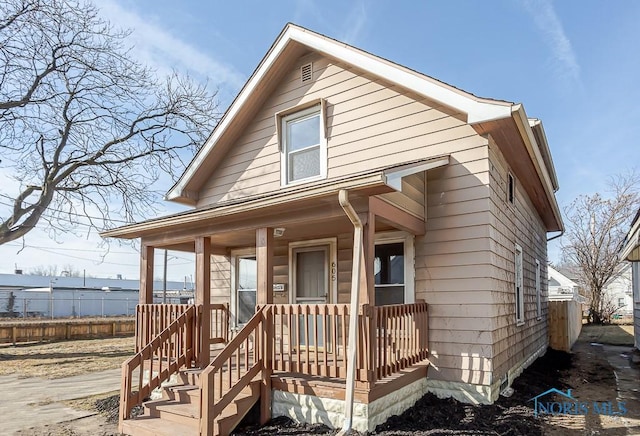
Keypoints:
(608, 334)
(65, 359)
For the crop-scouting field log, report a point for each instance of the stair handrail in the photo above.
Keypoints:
(161, 347)
(212, 405)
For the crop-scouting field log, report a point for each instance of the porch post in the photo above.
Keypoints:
(203, 295)
(145, 295)
(264, 257)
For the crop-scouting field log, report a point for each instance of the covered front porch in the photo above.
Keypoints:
(276, 321)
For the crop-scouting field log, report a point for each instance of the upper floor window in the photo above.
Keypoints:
(303, 146)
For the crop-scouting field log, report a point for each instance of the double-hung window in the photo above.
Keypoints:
(303, 146)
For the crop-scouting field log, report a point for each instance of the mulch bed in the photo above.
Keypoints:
(434, 416)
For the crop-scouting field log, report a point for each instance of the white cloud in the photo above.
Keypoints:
(356, 22)
(160, 49)
(548, 22)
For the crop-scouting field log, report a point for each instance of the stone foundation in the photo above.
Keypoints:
(366, 417)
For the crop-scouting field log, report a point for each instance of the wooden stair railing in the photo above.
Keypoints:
(240, 362)
(174, 347)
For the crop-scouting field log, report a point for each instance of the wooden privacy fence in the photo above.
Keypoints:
(565, 324)
(16, 332)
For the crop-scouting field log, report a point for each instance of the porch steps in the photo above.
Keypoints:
(178, 411)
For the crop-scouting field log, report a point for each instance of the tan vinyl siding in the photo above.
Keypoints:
(452, 263)
(220, 279)
(511, 224)
(370, 124)
(412, 197)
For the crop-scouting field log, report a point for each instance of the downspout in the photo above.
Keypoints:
(343, 197)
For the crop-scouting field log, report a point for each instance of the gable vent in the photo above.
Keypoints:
(306, 72)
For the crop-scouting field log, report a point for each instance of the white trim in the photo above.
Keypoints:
(409, 259)
(393, 177)
(332, 267)
(235, 254)
(308, 112)
(477, 110)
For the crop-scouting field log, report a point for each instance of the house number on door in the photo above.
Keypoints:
(333, 271)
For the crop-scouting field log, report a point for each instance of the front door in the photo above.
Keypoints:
(311, 286)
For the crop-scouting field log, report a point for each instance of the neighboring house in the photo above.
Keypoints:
(562, 288)
(617, 294)
(631, 252)
(326, 153)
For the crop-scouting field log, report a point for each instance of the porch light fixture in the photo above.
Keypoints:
(278, 231)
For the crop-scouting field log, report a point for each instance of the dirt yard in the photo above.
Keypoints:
(586, 371)
(64, 359)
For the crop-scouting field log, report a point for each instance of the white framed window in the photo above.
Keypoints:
(394, 269)
(244, 271)
(519, 289)
(538, 292)
(303, 146)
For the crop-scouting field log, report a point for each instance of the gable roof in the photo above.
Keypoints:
(487, 116)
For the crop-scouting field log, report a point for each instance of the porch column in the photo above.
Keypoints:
(203, 294)
(145, 295)
(264, 257)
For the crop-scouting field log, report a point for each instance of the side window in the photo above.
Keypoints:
(303, 146)
(519, 290)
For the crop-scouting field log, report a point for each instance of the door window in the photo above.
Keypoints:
(246, 285)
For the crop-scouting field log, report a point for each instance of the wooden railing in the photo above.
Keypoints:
(402, 337)
(219, 324)
(152, 319)
(310, 338)
(174, 347)
(232, 370)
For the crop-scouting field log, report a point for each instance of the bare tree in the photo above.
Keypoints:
(67, 270)
(84, 128)
(596, 228)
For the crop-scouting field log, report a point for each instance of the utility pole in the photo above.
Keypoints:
(164, 280)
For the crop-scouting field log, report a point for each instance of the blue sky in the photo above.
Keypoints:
(573, 64)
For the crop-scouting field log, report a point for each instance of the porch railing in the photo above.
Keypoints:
(219, 333)
(312, 339)
(402, 337)
(174, 347)
(240, 362)
(152, 319)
